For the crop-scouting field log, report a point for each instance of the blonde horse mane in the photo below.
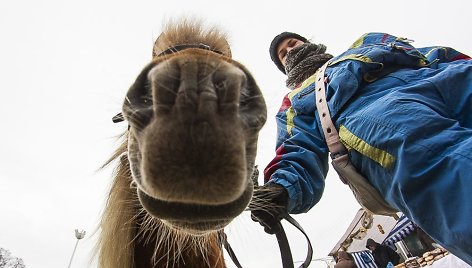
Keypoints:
(117, 230)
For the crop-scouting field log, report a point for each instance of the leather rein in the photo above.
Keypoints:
(284, 247)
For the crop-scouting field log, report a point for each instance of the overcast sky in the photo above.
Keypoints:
(65, 67)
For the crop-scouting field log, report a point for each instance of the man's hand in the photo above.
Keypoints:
(269, 206)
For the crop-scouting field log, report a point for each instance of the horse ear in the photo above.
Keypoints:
(156, 50)
(226, 49)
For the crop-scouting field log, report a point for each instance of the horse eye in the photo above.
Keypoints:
(146, 97)
(137, 108)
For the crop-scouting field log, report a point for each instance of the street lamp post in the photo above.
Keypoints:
(79, 235)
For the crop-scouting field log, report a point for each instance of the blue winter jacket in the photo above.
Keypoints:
(405, 115)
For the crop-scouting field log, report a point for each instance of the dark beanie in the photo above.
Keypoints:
(276, 42)
(370, 242)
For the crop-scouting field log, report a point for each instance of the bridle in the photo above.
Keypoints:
(178, 48)
(284, 247)
(277, 227)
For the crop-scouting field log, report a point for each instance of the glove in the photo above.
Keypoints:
(269, 206)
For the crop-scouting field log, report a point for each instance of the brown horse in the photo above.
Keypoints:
(185, 164)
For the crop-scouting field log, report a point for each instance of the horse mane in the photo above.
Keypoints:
(117, 231)
(191, 31)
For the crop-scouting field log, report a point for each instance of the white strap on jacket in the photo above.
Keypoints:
(367, 196)
(331, 134)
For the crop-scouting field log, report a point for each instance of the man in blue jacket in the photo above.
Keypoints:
(403, 113)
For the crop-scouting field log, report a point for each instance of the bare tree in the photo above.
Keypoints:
(8, 261)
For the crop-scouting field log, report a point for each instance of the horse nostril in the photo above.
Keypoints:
(164, 80)
(219, 85)
(153, 93)
(228, 81)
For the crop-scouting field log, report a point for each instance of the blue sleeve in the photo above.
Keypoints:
(300, 164)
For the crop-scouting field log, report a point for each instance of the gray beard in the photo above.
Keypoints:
(303, 61)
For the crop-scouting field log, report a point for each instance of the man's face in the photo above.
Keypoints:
(285, 46)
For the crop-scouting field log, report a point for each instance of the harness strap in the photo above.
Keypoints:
(309, 254)
(331, 134)
(284, 246)
(230, 250)
(178, 48)
(366, 195)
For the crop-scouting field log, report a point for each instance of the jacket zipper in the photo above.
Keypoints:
(301, 95)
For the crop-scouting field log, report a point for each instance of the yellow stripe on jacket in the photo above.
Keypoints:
(351, 141)
(290, 113)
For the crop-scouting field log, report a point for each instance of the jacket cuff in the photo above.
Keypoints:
(292, 193)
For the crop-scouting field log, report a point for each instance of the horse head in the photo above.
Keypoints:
(194, 116)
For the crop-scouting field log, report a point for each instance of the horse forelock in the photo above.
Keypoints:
(191, 31)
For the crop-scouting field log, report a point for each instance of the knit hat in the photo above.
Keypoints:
(276, 42)
(370, 242)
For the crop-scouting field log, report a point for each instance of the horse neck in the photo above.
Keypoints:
(150, 253)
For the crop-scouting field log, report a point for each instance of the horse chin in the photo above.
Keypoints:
(196, 219)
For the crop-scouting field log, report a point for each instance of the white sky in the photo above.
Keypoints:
(65, 67)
